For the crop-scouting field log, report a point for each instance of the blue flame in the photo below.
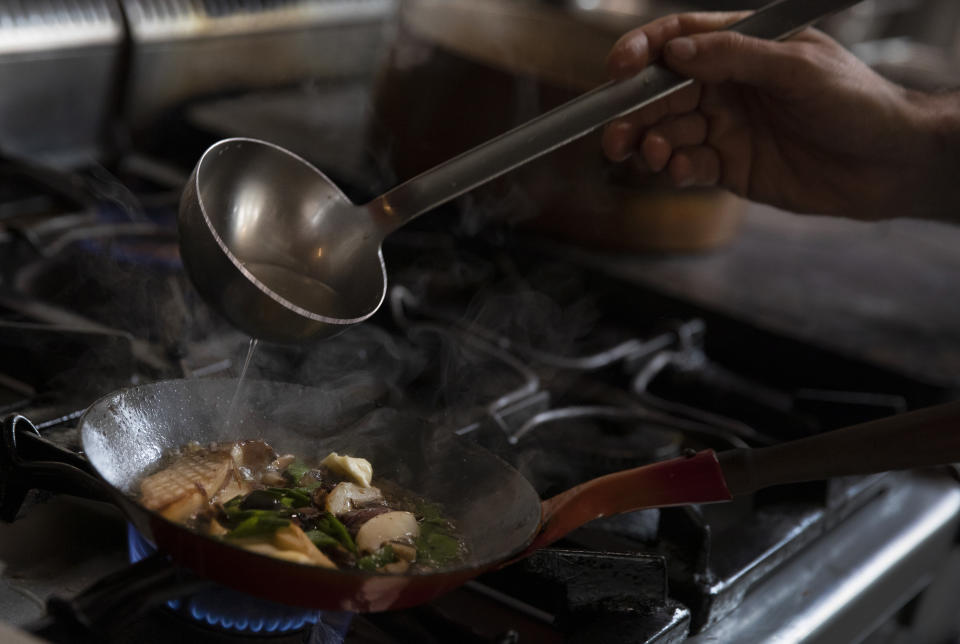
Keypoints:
(228, 609)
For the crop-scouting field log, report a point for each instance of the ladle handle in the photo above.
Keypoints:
(921, 438)
(775, 21)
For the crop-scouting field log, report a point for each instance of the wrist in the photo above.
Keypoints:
(938, 124)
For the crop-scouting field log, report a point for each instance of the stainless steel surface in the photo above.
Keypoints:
(183, 49)
(242, 219)
(57, 69)
(855, 577)
(819, 285)
(45, 26)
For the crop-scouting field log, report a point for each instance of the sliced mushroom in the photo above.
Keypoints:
(216, 529)
(314, 478)
(233, 487)
(358, 470)
(273, 479)
(270, 550)
(281, 462)
(289, 543)
(396, 568)
(404, 551)
(185, 507)
(273, 473)
(356, 518)
(252, 457)
(347, 496)
(391, 526)
(319, 497)
(197, 471)
(293, 538)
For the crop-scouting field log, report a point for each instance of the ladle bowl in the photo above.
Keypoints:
(255, 220)
(285, 256)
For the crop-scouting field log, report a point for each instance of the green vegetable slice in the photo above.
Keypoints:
(331, 526)
(292, 497)
(378, 559)
(321, 539)
(258, 523)
(233, 505)
(436, 546)
(297, 469)
(429, 512)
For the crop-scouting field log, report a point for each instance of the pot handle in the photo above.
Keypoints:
(922, 438)
(28, 462)
(696, 478)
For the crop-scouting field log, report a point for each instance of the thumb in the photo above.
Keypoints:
(721, 56)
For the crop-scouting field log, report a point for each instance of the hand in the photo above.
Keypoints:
(800, 124)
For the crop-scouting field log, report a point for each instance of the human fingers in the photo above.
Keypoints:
(723, 56)
(620, 137)
(637, 48)
(694, 166)
(660, 141)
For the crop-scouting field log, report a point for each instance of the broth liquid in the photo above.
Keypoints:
(304, 291)
(243, 374)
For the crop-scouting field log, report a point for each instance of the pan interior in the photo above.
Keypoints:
(126, 434)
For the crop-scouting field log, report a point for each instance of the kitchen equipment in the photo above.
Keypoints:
(285, 256)
(58, 74)
(180, 51)
(498, 512)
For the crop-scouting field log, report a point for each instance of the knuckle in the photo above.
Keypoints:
(672, 24)
(631, 42)
(664, 28)
(743, 45)
(723, 45)
(803, 58)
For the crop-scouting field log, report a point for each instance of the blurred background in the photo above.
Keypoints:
(373, 91)
(90, 80)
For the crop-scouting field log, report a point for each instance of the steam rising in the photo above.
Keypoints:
(441, 363)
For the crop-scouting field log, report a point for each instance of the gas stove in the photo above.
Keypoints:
(565, 372)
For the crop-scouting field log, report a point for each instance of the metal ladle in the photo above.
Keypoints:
(279, 250)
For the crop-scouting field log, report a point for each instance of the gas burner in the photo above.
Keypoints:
(233, 611)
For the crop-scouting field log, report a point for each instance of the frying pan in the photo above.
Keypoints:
(500, 515)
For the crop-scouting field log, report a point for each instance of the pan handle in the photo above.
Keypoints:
(29, 462)
(680, 481)
(115, 601)
(922, 438)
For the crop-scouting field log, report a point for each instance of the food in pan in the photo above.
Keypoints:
(330, 515)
